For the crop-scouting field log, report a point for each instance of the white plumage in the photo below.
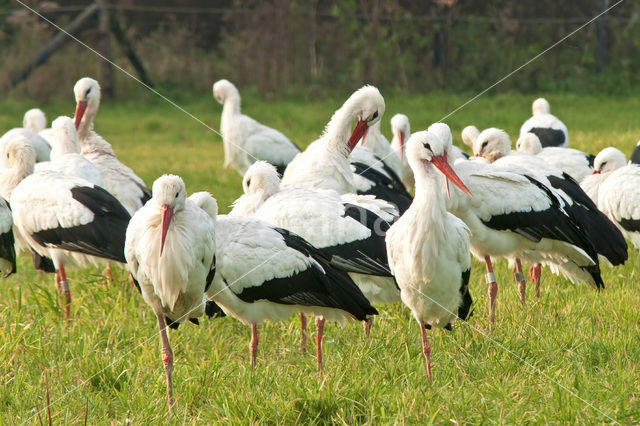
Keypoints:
(548, 127)
(619, 198)
(117, 178)
(326, 165)
(401, 132)
(40, 145)
(375, 141)
(65, 155)
(267, 273)
(429, 248)
(170, 252)
(34, 120)
(510, 215)
(607, 160)
(349, 229)
(245, 140)
(573, 162)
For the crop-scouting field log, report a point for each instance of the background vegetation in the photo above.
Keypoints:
(302, 48)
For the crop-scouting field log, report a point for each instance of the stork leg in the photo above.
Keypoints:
(366, 325)
(167, 356)
(57, 280)
(519, 276)
(303, 331)
(253, 344)
(426, 350)
(67, 293)
(534, 276)
(320, 332)
(492, 287)
(108, 275)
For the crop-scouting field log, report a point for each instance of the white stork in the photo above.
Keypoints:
(34, 120)
(607, 160)
(170, 252)
(573, 162)
(268, 273)
(348, 229)
(244, 139)
(65, 154)
(514, 215)
(619, 198)
(7, 242)
(64, 218)
(118, 179)
(550, 130)
(401, 132)
(374, 141)
(38, 143)
(428, 247)
(469, 135)
(495, 146)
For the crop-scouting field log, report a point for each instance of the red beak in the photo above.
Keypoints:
(442, 164)
(167, 214)
(595, 172)
(358, 133)
(477, 155)
(401, 139)
(80, 108)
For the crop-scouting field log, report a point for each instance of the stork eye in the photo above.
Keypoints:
(484, 144)
(87, 94)
(248, 183)
(603, 164)
(427, 146)
(177, 194)
(375, 115)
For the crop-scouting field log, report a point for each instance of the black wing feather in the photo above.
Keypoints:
(548, 136)
(322, 285)
(104, 237)
(635, 155)
(384, 188)
(600, 230)
(8, 251)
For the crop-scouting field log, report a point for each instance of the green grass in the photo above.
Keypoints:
(571, 356)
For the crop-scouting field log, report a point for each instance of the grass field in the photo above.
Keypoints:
(572, 356)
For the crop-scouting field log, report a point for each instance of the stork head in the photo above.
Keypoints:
(469, 135)
(366, 105)
(261, 178)
(20, 155)
(608, 160)
(426, 148)
(530, 143)
(170, 194)
(34, 120)
(65, 137)
(87, 93)
(540, 106)
(492, 144)
(206, 202)
(401, 132)
(223, 90)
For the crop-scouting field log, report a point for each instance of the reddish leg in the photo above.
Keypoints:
(109, 275)
(167, 357)
(492, 289)
(534, 276)
(253, 345)
(366, 325)
(67, 293)
(519, 276)
(303, 331)
(320, 330)
(426, 350)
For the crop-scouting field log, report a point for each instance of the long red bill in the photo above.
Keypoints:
(595, 172)
(401, 139)
(80, 108)
(442, 164)
(358, 133)
(167, 214)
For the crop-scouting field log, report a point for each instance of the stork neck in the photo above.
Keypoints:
(86, 124)
(429, 184)
(338, 130)
(231, 105)
(63, 145)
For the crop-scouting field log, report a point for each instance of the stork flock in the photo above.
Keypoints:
(327, 232)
